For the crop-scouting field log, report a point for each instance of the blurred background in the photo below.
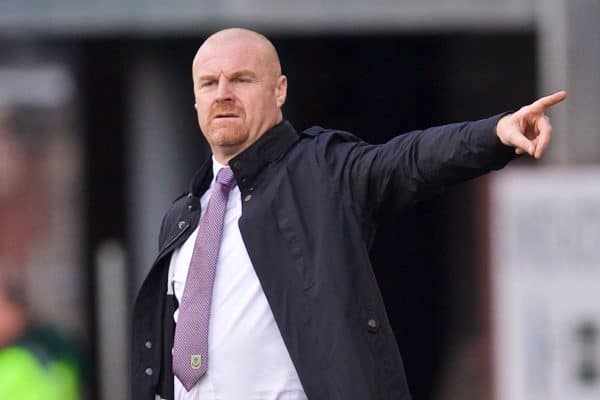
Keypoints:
(491, 288)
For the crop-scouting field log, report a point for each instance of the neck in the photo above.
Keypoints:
(224, 155)
(223, 158)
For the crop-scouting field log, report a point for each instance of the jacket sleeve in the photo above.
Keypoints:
(410, 166)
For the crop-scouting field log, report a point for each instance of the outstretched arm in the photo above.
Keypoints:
(415, 165)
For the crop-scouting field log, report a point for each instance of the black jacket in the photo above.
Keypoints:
(310, 203)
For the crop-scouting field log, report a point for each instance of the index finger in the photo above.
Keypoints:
(550, 100)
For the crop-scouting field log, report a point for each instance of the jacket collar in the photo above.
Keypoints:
(246, 166)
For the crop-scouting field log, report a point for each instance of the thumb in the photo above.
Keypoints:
(518, 140)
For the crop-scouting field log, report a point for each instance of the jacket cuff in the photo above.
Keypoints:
(499, 153)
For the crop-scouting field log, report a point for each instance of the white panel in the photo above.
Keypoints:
(545, 251)
(111, 307)
(41, 85)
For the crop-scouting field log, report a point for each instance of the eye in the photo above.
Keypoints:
(241, 79)
(205, 84)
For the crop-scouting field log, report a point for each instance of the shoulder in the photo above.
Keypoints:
(321, 134)
(185, 203)
(17, 363)
(330, 145)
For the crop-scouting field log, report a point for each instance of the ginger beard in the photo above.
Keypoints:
(226, 125)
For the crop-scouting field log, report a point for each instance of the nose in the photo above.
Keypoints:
(224, 89)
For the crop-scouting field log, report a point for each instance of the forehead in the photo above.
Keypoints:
(230, 57)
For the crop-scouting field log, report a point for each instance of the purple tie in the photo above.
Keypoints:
(190, 347)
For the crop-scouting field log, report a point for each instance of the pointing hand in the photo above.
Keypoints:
(529, 129)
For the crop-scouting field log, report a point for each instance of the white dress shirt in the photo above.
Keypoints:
(247, 358)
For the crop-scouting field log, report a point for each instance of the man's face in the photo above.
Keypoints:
(238, 93)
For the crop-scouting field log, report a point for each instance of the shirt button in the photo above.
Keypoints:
(148, 371)
(181, 224)
(372, 325)
(148, 344)
(248, 198)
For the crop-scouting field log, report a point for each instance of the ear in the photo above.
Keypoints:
(281, 90)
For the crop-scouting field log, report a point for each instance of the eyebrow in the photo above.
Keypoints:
(244, 72)
(235, 74)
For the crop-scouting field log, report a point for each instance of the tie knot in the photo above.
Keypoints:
(225, 177)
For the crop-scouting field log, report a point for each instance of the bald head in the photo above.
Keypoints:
(239, 89)
(251, 39)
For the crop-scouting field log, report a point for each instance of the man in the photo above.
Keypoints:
(36, 363)
(262, 288)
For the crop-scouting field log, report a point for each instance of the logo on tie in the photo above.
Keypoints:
(196, 361)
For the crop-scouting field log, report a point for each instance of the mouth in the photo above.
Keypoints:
(226, 115)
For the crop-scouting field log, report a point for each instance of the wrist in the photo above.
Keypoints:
(502, 129)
